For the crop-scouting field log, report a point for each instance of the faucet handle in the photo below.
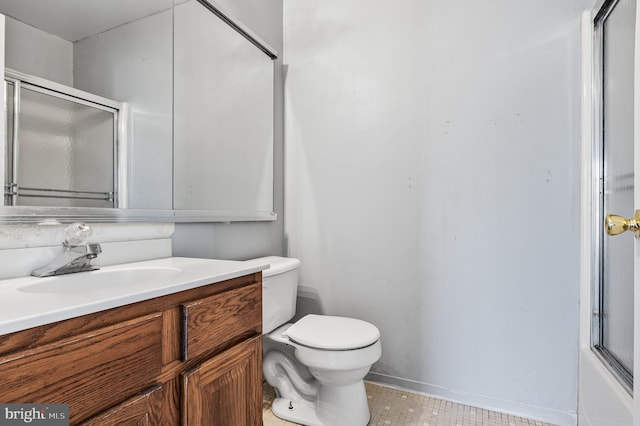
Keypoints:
(77, 234)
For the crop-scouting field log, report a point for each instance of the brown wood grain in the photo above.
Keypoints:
(133, 412)
(48, 333)
(171, 335)
(123, 366)
(223, 391)
(212, 322)
(90, 371)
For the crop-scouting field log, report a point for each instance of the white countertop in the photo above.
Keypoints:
(29, 301)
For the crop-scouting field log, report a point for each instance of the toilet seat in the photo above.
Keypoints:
(333, 333)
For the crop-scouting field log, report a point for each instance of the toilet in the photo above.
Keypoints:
(317, 364)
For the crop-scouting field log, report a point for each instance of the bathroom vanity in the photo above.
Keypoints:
(190, 354)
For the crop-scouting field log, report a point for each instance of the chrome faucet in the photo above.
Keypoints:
(77, 254)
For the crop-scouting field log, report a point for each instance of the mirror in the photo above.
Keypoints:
(199, 140)
(223, 120)
(62, 146)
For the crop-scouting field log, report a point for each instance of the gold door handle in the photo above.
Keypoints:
(615, 224)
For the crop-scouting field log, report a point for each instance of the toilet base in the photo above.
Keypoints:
(334, 406)
(303, 412)
(319, 396)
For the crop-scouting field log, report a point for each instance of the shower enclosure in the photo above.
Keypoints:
(61, 143)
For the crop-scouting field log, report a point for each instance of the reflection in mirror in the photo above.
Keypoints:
(62, 146)
(133, 63)
(124, 50)
(116, 49)
(223, 116)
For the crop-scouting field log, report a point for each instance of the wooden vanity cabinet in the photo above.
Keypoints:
(140, 410)
(212, 390)
(191, 358)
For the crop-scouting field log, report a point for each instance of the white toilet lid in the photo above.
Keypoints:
(333, 333)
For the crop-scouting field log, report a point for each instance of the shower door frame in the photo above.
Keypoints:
(602, 398)
(609, 359)
(119, 110)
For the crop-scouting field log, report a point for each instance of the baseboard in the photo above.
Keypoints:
(522, 410)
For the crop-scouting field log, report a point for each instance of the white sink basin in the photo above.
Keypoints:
(107, 279)
(29, 301)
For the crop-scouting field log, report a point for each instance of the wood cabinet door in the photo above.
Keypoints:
(226, 390)
(137, 411)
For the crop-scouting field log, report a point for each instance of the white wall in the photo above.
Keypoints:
(433, 186)
(38, 53)
(143, 77)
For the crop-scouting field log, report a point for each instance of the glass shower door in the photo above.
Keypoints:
(613, 335)
(62, 150)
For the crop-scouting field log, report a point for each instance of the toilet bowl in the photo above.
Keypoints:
(317, 364)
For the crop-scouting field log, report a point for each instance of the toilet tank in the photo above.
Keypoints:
(279, 290)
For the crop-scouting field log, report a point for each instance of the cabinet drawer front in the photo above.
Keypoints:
(214, 322)
(90, 372)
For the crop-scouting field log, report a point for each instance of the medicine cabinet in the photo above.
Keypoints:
(184, 100)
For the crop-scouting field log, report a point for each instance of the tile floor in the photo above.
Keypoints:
(401, 408)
